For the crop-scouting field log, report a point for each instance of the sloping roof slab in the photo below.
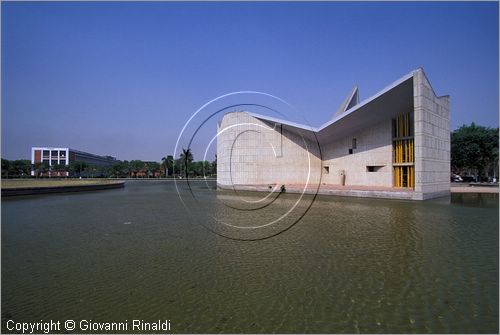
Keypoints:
(385, 104)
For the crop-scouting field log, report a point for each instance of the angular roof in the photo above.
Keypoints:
(387, 103)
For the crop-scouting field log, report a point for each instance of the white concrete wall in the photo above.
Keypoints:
(251, 152)
(432, 140)
(374, 148)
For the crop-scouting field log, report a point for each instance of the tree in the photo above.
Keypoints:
(164, 166)
(124, 169)
(58, 169)
(76, 168)
(91, 170)
(43, 168)
(53, 168)
(119, 170)
(170, 164)
(100, 171)
(186, 159)
(65, 169)
(36, 169)
(495, 165)
(178, 166)
(200, 168)
(153, 169)
(214, 166)
(18, 168)
(5, 168)
(73, 168)
(474, 150)
(167, 165)
(135, 167)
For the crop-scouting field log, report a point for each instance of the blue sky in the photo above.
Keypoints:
(123, 78)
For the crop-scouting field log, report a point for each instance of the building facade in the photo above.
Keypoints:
(55, 156)
(396, 140)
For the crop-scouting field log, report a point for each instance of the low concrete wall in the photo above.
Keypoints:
(8, 192)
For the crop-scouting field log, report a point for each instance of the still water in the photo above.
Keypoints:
(344, 265)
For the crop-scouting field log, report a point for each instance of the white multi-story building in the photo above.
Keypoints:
(55, 156)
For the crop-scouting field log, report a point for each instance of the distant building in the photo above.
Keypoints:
(58, 156)
(398, 140)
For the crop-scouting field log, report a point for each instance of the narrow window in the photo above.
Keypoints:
(326, 169)
(354, 143)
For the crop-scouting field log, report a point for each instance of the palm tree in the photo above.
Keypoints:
(167, 164)
(164, 165)
(170, 163)
(186, 158)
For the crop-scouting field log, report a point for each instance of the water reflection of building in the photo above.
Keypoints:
(55, 156)
(396, 143)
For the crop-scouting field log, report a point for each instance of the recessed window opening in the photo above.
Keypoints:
(326, 169)
(354, 146)
(373, 168)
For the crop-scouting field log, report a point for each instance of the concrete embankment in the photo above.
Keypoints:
(34, 187)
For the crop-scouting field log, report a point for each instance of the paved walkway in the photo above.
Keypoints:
(365, 191)
(350, 191)
(312, 187)
(349, 188)
(474, 189)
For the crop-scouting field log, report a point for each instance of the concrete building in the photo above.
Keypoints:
(58, 156)
(395, 144)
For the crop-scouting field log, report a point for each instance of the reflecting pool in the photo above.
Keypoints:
(337, 265)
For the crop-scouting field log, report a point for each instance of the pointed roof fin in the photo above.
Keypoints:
(350, 101)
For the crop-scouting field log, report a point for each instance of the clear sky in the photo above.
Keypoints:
(123, 78)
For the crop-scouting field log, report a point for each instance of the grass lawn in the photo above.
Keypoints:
(19, 183)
